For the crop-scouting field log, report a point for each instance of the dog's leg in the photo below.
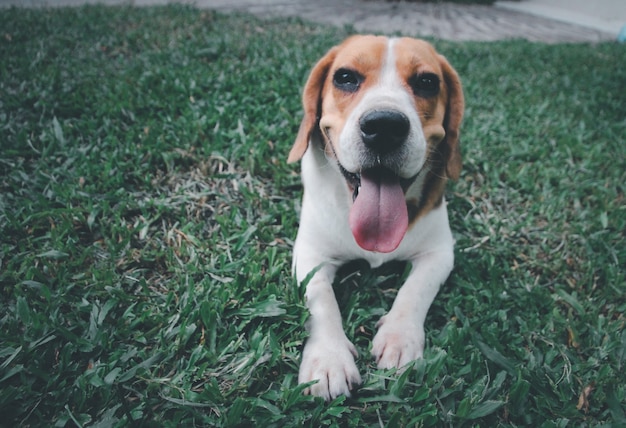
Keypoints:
(328, 355)
(400, 337)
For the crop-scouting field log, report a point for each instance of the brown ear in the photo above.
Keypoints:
(312, 102)
(452, 120)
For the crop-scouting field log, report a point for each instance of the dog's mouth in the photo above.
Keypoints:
(378, 216)
(354, 179)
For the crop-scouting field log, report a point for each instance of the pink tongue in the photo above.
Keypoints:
(378, 217)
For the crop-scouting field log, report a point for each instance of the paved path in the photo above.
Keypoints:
(448, 21)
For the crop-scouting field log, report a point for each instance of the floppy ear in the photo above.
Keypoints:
(312, 102)
(452, 120)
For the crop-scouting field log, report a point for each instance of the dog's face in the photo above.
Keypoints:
(387, 112)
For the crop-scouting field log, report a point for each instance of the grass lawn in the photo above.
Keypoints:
(147, 216)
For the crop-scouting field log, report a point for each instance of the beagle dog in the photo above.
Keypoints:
(378, 140)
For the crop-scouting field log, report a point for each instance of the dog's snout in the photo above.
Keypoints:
(384, 130)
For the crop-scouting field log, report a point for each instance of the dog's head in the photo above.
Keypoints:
(388, 112)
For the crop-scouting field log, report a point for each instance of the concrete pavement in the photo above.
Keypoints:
(608, 16)
(450, 21)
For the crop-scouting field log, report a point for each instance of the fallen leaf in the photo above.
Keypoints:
(583, 399)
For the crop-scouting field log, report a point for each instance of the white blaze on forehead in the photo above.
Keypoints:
(389, 85)
(389, 73)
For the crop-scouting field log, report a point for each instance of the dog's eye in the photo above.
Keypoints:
(425, 85)
(347, 80)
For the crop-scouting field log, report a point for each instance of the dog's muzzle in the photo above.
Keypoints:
(378, 216)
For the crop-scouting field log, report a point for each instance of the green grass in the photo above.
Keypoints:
(147, 216)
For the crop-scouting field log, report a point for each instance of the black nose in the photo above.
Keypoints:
(384, 130)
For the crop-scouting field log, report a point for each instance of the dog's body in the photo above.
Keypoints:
(378, 140)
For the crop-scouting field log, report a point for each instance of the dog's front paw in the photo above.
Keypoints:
(331, 363)
(397, 343)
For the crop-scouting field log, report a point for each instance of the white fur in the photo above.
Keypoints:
(325, 242)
